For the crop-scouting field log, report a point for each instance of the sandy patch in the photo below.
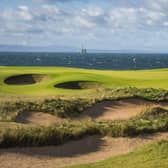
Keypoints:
(38, 118)
(119, 109)
(86, 150)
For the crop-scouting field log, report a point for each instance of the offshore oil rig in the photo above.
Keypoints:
(83, 50)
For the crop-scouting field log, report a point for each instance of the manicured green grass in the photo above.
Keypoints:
(151, 156)
(141, 79)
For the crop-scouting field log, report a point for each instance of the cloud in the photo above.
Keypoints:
(55, 21)
(93, 11)
(165, 23)
(51, 18)
(159, 5)
(23, 8)
(122, 17)
(60, 1)
(24, 14)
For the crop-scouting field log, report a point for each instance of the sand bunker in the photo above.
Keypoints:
(26, 79)
(119, 109)
(37, 118)
(106, 110)
(78, 85)
(87, 150)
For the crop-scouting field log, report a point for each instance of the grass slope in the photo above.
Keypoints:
(151, 156)
(141, 79)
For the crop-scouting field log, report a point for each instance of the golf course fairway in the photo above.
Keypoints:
(46, 81)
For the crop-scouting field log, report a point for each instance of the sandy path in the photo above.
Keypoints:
(119, 109)
(86, 150)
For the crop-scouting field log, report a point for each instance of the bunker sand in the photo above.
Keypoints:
(79, 85)
(86, 150)
(26, 79)
(106, 110)
(120, 109)
(38, 118)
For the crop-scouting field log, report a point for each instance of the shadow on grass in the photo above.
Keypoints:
(73, 148)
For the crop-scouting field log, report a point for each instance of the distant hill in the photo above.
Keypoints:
(131, 51)
(23, 48)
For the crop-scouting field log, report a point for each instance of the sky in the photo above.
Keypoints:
(95, 24)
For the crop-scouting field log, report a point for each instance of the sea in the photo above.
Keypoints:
(102, 61)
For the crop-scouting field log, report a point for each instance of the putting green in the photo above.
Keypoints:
(157, 78)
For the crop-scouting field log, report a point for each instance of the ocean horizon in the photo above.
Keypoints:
(111, 61)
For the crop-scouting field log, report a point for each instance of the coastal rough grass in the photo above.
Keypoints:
(150, 156)
(22, 135)
(12, 134)
(69, 108)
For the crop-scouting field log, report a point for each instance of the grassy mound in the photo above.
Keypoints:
(153, 113)
(78, 85)
(26, 79)
(150, 156)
